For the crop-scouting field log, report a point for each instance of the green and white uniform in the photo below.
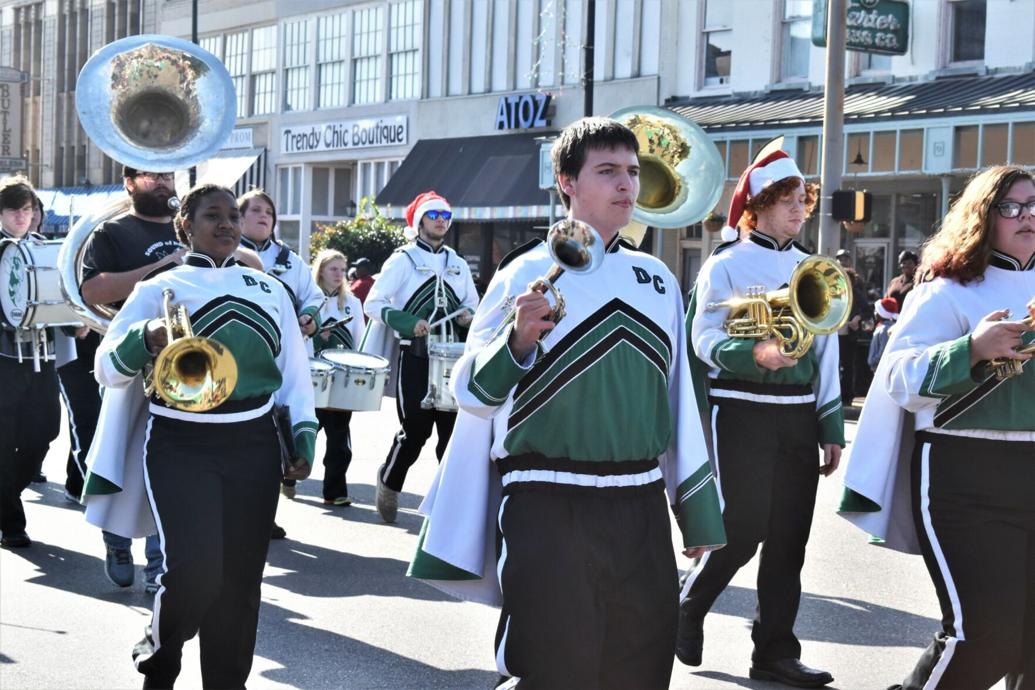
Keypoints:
(586, 435)
(942, 465)
(345, 336)
(286, 266)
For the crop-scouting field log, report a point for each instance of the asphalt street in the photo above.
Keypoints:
(338, 611)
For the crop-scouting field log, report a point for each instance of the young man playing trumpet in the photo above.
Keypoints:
(770, 416)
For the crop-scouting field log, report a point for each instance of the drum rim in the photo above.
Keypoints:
(323, 356)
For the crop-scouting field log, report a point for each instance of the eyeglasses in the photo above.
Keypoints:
(168, 177)
(1012, 209)
(435, 215)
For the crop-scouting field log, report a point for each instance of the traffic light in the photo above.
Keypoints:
(850, 205)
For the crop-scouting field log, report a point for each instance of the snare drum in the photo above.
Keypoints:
(358, 381)
(322, 373)
(30, 289)
(441, 359)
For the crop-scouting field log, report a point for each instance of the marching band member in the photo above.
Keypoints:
(258, 220)
(587, 427)
(212, 477)
(419, 283)
(767, 478)
(30, 414)
(942, 462)
(329, 273)
(119, 254)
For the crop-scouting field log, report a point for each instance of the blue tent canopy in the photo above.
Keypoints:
(65, 205)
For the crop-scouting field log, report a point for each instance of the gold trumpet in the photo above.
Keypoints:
(1003, 368)
(191, 373)
(817, 301)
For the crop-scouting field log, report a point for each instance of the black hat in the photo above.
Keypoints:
(362, 261)
(907, 255)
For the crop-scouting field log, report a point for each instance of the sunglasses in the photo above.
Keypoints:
(435, 215)
(1012, 209)
(158, 176)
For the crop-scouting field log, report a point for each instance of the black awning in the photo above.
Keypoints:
(489, 171)
(944, 97)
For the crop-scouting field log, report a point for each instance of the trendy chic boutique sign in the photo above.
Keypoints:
(345, 134)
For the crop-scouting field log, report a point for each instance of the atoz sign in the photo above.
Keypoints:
(523, 111)
(874, 26)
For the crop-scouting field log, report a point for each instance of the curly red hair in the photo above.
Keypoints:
(769, 196)
(962, 246)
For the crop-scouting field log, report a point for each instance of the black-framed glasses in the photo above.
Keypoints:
(168, 177)
(435, 215)
(1012, 209)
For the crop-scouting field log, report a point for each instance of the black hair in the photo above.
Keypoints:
(568, 153)
(129, 172)
(908, 255)
(16, 191)
(189, 206)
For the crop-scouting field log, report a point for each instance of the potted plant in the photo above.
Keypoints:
(714, 221)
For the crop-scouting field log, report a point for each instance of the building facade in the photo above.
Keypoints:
(342, 100)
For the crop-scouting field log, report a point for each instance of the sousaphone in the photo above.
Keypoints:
(154, 103)
(681, 172)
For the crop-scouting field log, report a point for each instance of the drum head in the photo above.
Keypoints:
(317, 365)
(354, 360)
(14, 282)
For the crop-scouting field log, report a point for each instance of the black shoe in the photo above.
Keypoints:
(690, 637)
(277, 532)
(18, 540)
(790, 672)
(40, 478)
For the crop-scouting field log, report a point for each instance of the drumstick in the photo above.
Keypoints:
(331, 326)
(447, 317)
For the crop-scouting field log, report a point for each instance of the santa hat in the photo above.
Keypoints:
(887, 309)
(428, 201)
(759, 175)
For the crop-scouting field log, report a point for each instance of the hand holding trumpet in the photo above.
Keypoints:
(533, 316)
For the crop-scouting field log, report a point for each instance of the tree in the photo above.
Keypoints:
(370, 234)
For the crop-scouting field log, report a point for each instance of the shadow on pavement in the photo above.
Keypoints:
(315, 658)
(310, 494)
(839, 620)
(314, 571)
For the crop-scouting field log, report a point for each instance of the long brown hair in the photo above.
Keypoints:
(768, 197)
(962, 246)
(322, 259)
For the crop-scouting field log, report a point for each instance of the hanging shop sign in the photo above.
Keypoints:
(874, 26)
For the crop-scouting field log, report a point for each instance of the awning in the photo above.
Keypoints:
(64, 205)
(484, 178)
(865, 103)
(239, 169)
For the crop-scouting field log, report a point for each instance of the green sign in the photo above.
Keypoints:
(874, 26)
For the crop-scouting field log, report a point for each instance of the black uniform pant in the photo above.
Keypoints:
(768, 473)
(82, 398)
(213, 491)
(589, 587)
(30, 418)
(338, 455)
(974, 510)
(417, 423)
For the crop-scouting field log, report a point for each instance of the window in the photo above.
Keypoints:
(910, 149)
(264, 66)
(872, 63)
(808, 155)
(1023, 150)
(213, 44)
(883, 152)
(296, 65)
(404, 49)
(797, 39)
(236, 61)
(738, 158)
(331, 68)
(993, 144)
(373, 176)
(718, 42)
(368, 30)
(967, 27)
(965, 147)
(857, 153)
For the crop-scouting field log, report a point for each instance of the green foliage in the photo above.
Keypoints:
(370, 234)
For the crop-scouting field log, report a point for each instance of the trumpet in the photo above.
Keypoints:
(1002, 368)
(817, 301)
(574, 246)
(191, 373)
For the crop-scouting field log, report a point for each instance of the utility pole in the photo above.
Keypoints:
(587, 58)
(833, 125)
(192, 174)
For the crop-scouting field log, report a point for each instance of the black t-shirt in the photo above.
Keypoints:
(127, 243)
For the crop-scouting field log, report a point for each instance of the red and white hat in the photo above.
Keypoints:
(427, 201)
(759, 175)
(887, 309)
